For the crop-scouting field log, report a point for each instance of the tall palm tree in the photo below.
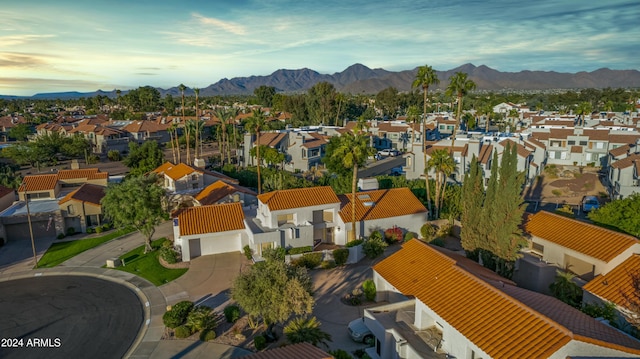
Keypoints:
(413, 115)
(425, 77)
(583, 109)
(173, 129)
(352, 151)
(486, 110)
(182, 87)
(256, 123)
(222, 116)
(196, 127)
(459, 85)
(233, 113)
(444, 166)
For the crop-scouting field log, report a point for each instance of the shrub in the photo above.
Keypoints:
(606, 310)
(341, 255)
(354, 243)
(260, 342)
(98, 229)
(355, 297)
(274, 254)
(375, 235)
(169, 255)
(61, 235)
(591, 164)
(207, 334)
(369, 288)
(557, 192)
(393, 235)
(328, 264)
(71, 231)
(444, 230)
(248, 252)
(299, 250)
(427, 231)
(409, 236)
(309, 260)
(114, 155)
(373, 248)
(200, 318)
(91, 230)
(231, 313)
(92, 159)
(340, 354)
(177, 314)
(182, 332)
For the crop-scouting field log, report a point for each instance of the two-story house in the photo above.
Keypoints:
(442, 305)
(623, 172)
(379, 210)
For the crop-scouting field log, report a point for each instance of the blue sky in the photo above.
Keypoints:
(67, 45)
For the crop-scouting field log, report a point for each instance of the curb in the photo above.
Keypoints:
(153, 307)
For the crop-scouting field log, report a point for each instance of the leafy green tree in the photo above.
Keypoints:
(76, 146)
(306, 330)
(425, 77)
(20, 132)
(459, 85)
(321, 99)
(257, 123)
(388, 101)
(265, 95)
(200, 318)
(583, 109)
(273, 291)
(137, 203)
(486, 110)
(351, 151)
(269, 154)
(143, 159)
(622, 214)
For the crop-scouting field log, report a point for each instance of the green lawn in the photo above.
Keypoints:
(60, 252)
(147, 265)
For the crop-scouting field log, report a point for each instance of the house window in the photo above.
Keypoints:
(194, 186)
(600, 145)
(70, 209)
(409, 161)
(556, 143)
(194, 177)
(314, 152)
(571, 143)
(583, 143)
(304, 153)
(537, 248)
(327, 216)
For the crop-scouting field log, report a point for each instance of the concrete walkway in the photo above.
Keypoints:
(198, 284)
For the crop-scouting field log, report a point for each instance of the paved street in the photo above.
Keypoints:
(82, 317)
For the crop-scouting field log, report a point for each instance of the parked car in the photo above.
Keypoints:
(590, 203)
(359, 331)
(389, 152)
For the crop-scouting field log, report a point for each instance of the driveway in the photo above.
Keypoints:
(17, 255)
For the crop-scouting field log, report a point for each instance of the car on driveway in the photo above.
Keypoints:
(359, 332)
(590, 203)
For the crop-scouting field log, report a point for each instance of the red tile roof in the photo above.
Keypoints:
(520, 149)
(219, 190)
(211, 219)
(589, 239)
(298, 198)
(38, 183)
(502, 320)
(293, 351)
(596, 135)
(576, 149)
(618, 151)
(88, 193)
(626, 162)
(88, 173)
(175, 172)
(271, 139)
(611, 286)
(560, 133)
(624, 139)
(384, 203)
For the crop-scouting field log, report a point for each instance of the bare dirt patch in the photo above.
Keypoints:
(568, 185)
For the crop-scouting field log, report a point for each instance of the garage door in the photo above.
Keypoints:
(217, 245)
(20, 231)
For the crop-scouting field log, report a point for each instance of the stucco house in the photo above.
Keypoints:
(442, 305)
(379, 210)
(223, 192)
(214, 229)
(81, 208)
(623, 172)
(559, 242)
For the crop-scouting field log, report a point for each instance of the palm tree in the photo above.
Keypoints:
(182, 87)
(256, 123)
(352, 151)
(444, 166)
(425, 77)
(459, 85)
(233, 113)
(196, 127)
(413, 115)
(222, 116)
(306, 330)
(487, 111)
(565, 289)
(173, 128)
(583, 109)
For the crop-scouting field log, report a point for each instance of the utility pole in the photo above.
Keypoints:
(33, 244)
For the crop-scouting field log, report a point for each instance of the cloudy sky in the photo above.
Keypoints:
(67, 45)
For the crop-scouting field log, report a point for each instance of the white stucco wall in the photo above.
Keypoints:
(581, 349)
(300, 215)
(411, 223)
(213, 243)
